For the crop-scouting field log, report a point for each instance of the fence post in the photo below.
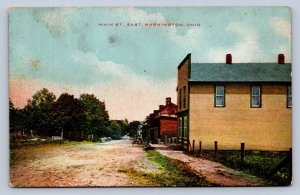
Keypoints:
(242, 152)
(291, 164)
(188, 145)
(216, 147)
(193, 146)
(200, 149)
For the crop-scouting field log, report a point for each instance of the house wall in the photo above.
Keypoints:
(182, 80)
(168, 126)
(265, 128)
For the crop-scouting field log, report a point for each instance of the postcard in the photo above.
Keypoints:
(150, 96)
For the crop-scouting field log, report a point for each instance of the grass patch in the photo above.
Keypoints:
(171, 173)
(259, 163)
(28, 143)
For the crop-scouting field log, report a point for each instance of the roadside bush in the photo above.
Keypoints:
(259, 163)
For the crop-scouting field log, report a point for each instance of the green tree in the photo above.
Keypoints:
(96, 116)
(68, 117)
(133, 128)
(12, 117)
(37, 115)
(117, 128)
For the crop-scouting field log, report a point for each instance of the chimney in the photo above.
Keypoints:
(228, 58)
(160, 107)
(281, 58)
(168, 100)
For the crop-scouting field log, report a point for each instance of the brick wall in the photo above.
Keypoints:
(168, 126)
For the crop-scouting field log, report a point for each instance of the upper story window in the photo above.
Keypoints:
(220, 96)
(289, 97)
(179, 102)
(256, 96)
(184, 97)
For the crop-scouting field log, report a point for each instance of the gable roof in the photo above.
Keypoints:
(169, 109)
(240, 72)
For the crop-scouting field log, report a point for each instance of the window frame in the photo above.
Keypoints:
(289, 96)
(185, 127)
(184, 97)
(215, 98)
(180, 99)
(180, 128)
(252, 95)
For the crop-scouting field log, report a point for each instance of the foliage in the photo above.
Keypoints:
(259, 163)
(76, 119)
(96, 115)
(42, 99)
(117, 128)
(67, 116)
(16, 122)
(133, 128)
(12, 116)
(171, 173)
(36, 114)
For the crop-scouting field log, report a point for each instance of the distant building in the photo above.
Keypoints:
(162, 123)
(235, 103)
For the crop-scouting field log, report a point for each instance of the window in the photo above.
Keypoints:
(255, 97)
(289, 97)
(184, 97)
(185, 132)
(179, 99)
(180, 127)
(220, 96)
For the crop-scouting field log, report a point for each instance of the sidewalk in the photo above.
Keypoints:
(213, 172)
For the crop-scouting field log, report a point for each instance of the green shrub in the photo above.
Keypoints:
(259, 163)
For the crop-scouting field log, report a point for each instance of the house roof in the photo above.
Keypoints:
(240, 72)
(169, 109)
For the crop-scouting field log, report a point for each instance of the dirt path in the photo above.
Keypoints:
(213, 172)
(95, 164)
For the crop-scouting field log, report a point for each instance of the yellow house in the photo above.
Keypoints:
(234, 103)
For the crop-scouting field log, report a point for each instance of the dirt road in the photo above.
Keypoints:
(94, 164)
(108, 164)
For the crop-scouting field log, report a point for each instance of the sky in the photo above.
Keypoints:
(133, 68)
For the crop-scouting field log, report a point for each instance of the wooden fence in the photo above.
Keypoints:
(190, 147)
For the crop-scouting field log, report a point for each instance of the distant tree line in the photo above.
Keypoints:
(74, 118)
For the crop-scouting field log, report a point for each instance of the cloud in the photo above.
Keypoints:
(57, 20)
(192, 39)
(133, 100)
(126, 94)
(247, 49)
(135, 15)
(282, 27)
(108, 68)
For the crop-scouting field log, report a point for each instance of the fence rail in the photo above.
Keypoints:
(190, 147)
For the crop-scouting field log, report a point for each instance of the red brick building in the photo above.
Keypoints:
(168, 119)
(162, 123)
